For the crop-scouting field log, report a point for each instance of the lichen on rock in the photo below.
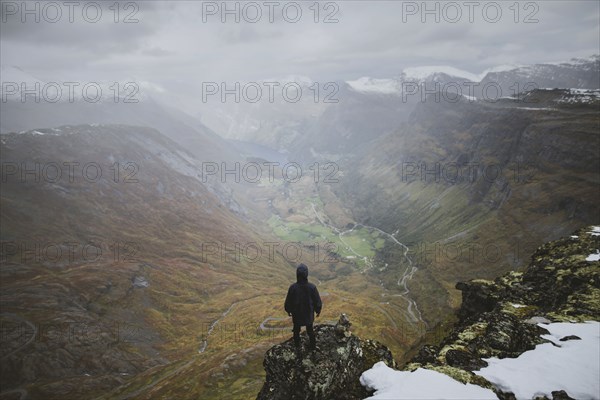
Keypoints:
(332, 371)
(500, 318)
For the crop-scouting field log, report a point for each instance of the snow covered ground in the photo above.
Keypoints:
(423, 384)
(580, 96)
(572, 365)
(593, 257)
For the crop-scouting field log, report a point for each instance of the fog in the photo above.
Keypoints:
(176, 44)
(175, 173)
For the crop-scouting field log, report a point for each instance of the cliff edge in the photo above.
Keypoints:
(332, 371)
(525, 335)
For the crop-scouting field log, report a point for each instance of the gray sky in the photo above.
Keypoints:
(171, 45)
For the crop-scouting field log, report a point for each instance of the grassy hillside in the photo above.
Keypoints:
(128, 284)
(474, 188)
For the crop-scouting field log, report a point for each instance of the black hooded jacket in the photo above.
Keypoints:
(303, 299)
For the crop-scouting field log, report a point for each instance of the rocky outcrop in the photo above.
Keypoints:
(500, 318)
(560, 282)
(332, 371)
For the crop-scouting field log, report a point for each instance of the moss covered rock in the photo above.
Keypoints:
(332, 371)
(500, 318)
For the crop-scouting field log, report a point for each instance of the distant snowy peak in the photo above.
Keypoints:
(417, 75)
(580, 73)
(430, 72)
(575, 73)
(374, 85)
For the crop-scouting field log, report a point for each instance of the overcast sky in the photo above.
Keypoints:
(172, 44)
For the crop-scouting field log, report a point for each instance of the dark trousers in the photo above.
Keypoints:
(309, 331)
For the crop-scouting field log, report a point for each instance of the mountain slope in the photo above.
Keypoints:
(469, 182)
(189, 133)
(510, 320)
(105, 269)
(367, 108)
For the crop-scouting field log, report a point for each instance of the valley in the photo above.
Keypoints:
(166, 305)
(156, 280)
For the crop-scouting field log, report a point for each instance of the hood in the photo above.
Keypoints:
(302, 273)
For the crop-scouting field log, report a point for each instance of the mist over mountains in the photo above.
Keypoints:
(344, 109)
(471, 186)
(440, 181)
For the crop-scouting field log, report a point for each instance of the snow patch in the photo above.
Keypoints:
(594, 256)
(595, 231)
(579, 96)
(392, 384)
(374, 85)
(572, 365)
(422, 73)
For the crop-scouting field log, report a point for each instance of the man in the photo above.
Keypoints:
(301, 302)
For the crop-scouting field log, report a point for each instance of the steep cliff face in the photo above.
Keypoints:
(332, 371)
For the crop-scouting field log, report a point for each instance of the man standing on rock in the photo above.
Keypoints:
(301, 302)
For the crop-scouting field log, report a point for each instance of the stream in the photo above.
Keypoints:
(414, 315)
(412, 309)
(204, 343)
